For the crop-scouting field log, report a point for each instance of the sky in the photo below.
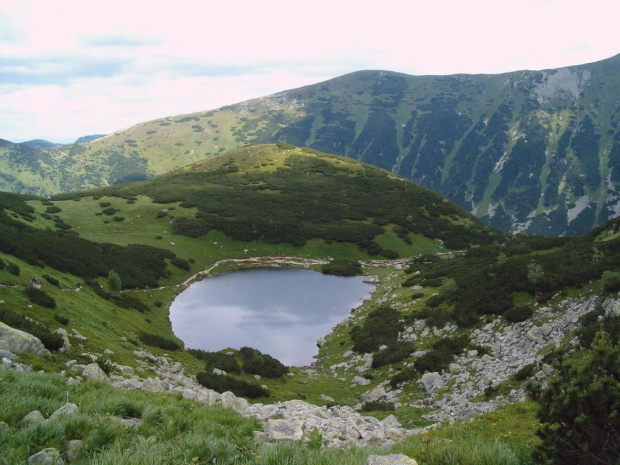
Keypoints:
(74, 68)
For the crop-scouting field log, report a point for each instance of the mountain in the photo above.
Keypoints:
(535, 151)
(82, 139)
(41, 144)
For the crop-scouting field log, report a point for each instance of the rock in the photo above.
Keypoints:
(125, 370)
(217, 371)
(229, 400)
(361, 381)
(19, 342)
(94, 371)
(67, 409)
(7, 354)
(33, 417)
(284, 430)
(374, 395)
(77, 335)
(394, 459)
(3, 426)
(431, 382)
(455, 368)
(66, 345)
(108, 352)
(320, 341)
(72, 381)
(46, 457)
(327, 398)
(611, 307)
(74, 449)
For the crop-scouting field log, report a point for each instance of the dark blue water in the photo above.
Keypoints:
(281, 312)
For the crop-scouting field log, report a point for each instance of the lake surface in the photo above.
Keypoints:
(281, 312)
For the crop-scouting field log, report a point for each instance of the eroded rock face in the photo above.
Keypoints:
(19, 342)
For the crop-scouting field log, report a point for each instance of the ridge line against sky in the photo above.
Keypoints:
(71, 68)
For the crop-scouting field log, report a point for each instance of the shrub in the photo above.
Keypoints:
(119, 218)
(161, 214)
(39, 297)
(13, 269)
(611, 281)
(393, 354)
(154, 340)
(239, 387)
(255, 362)
(218, 360)
(51, 279)
(180, 263)
(51, 210)
(578, 409)
(110, 211)
(104, 204)
(377, 407)
(381, 327)
(63, 320)
(518, 314)
(341, 268)
(525, 373)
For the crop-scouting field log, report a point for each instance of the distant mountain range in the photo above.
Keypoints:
(535, 151)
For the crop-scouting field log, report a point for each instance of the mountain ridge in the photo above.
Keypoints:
(534, 151)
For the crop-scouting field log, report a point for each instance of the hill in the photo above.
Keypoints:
(528, 151)
(445, 336)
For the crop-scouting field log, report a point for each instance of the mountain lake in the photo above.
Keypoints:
(281, 312)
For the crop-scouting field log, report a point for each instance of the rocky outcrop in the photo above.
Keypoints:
(19, 342)
(94, 371)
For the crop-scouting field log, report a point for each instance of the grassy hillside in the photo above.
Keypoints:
(528, 150)
(427, 314)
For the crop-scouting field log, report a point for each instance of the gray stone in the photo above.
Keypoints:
(33, 417)
(611, 307)
(374, 395)
(125, 370)
(455, 368)
(284, 430)
(67, 409)
(361, 380)
(229, 400)
(46, 457)
(431, 382)
(394, 459)
(217, 371)
(74, 449)
(94, 371)
(20, 342)
(327, 398)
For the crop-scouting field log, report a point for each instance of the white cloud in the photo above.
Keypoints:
(71, 67)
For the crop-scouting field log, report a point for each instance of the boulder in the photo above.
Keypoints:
(94, 371)
(73, 450)
(374, 395)
(125, 370)
(611, 307)
(46, 457)
(431, 382)
(229, 400)
(284, 430)
(394, 459)
(32, 417)
(20, 342)
(67, 409)
(6, 354)
(361, 380)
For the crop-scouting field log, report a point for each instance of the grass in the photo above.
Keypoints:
(179, 431)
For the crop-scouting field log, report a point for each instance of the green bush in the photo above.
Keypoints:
(13, 269)
(63, 320)
(578, 409)
(239, 387)
(104, 204)
(39, 297)
(611, 281)
(255, 362)
(393, 354)
(525, 373)
(118, 219)
(381, 327)
(377, 407)
(154, 340)
(518, 314)
(342, 268)
(225, 362)
(180, 263)
(50, 279)
(52, 210)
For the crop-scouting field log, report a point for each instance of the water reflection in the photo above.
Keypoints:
(281, 312)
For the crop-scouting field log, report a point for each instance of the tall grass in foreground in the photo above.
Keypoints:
(178, 431)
